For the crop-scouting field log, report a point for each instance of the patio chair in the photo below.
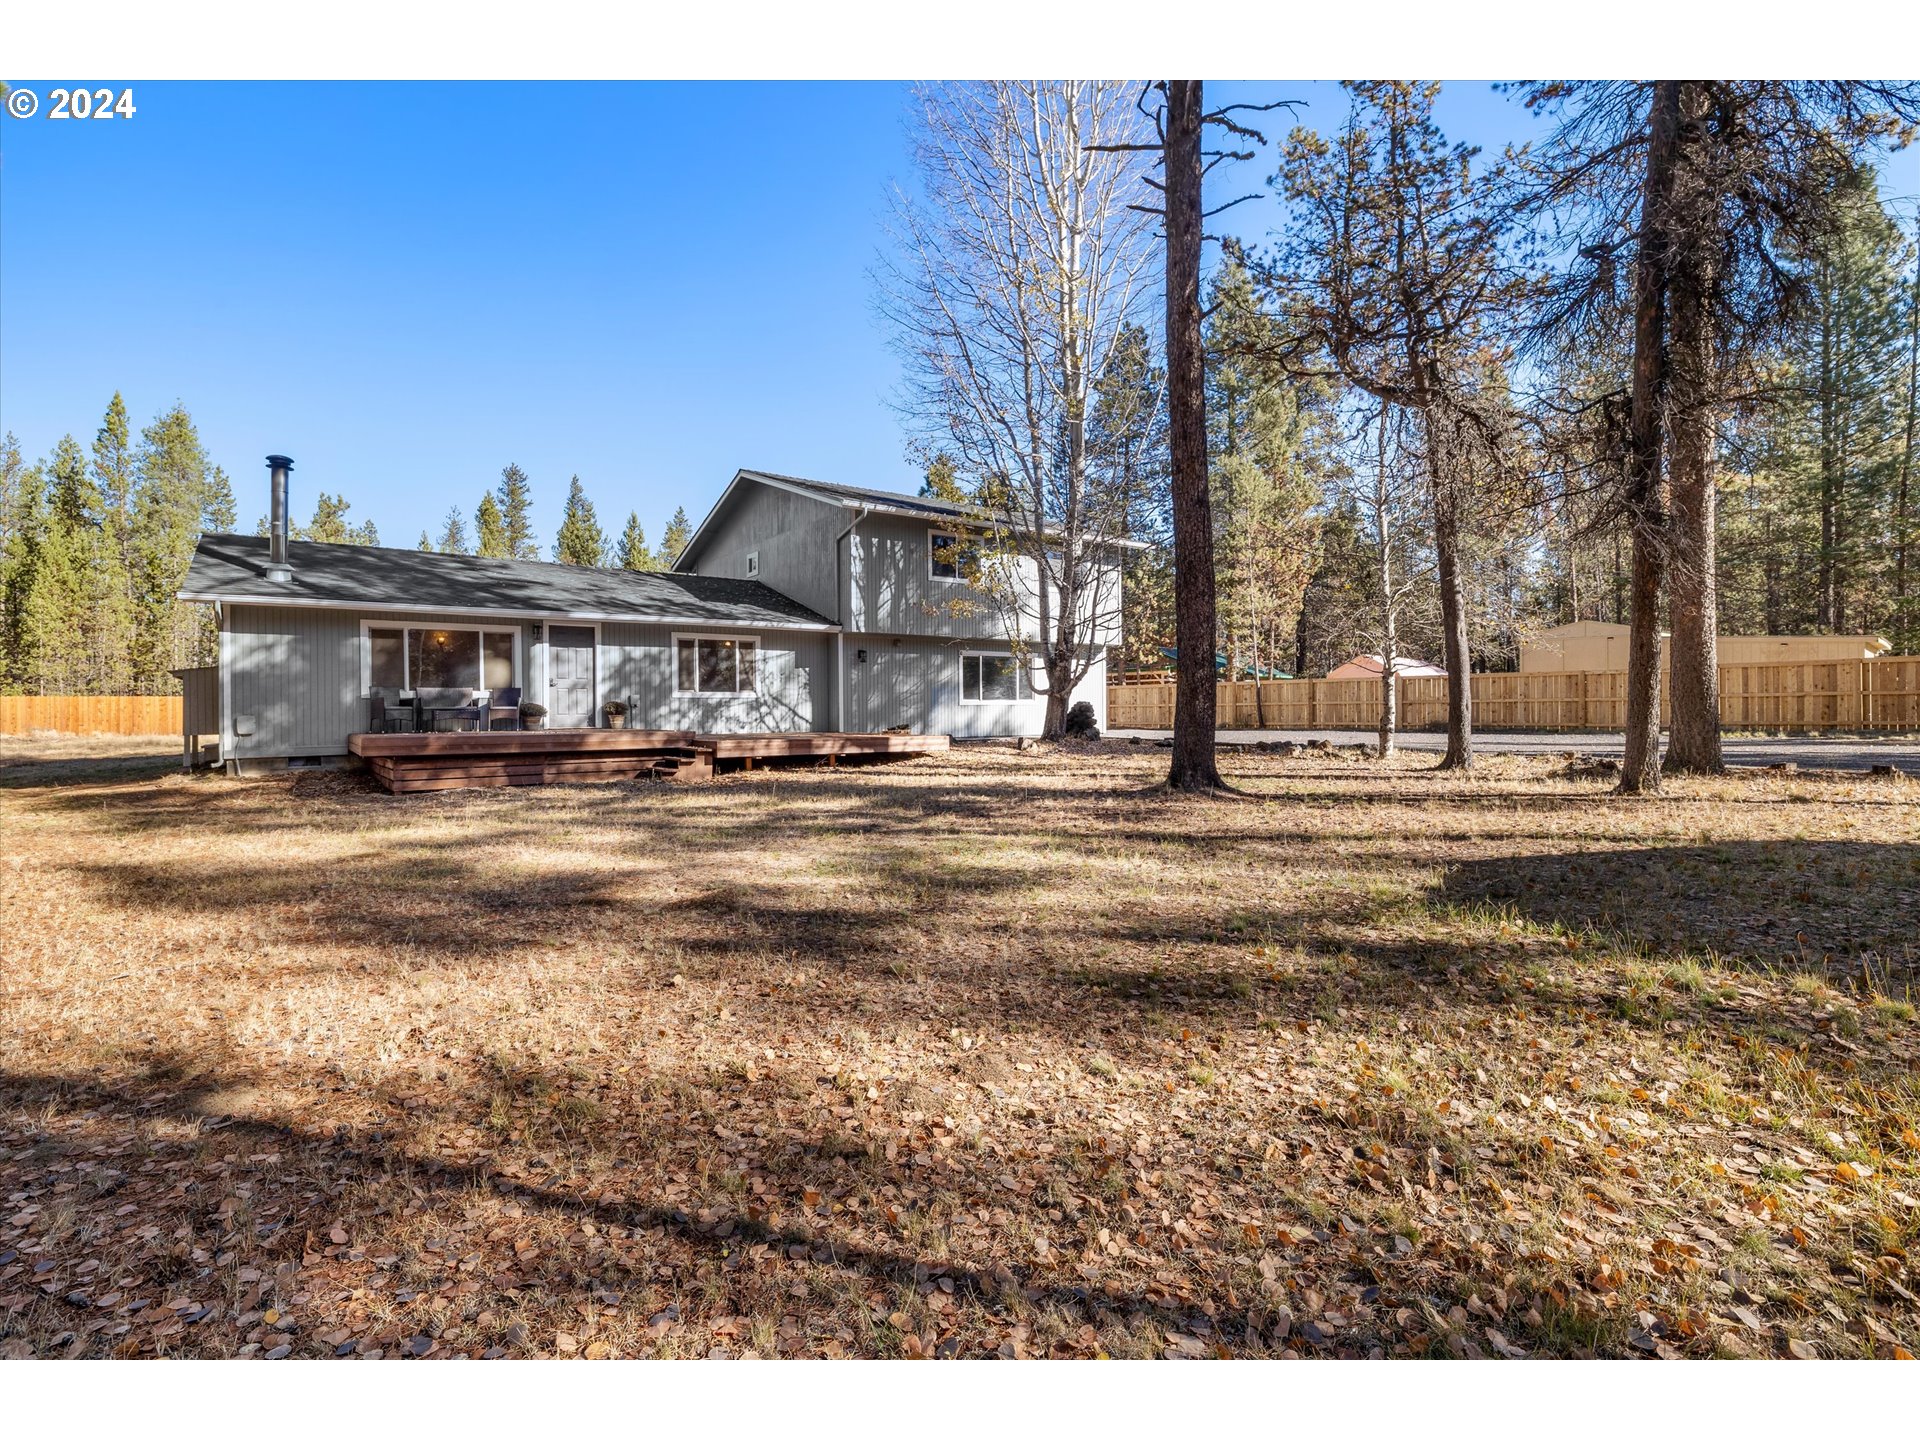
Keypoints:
(387, 712)
(447, 708)
(503, 704)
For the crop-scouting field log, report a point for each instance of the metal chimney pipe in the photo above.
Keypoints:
(279, 567)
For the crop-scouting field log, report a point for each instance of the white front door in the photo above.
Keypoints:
(570, 700)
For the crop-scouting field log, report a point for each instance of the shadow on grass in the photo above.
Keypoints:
(1819, 904)
(23, 770)
(375, 1180)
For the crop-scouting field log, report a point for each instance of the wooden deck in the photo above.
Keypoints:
(407, 763)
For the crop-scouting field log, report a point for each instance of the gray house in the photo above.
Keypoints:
(796, 606)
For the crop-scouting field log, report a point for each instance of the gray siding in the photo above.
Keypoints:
(297, 671)
(795, 683)
(894, 592)
(916, 682)
(794, 535)
(880, 577)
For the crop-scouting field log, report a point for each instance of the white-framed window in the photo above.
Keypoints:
(452, 657)
(715, 664)
(949, 554)
(753, 564)
(990, 678)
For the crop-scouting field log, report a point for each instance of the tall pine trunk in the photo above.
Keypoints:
(1646, 500)
(1693, 743)
(1453, 625)
(1194, 765)
(1389, 629)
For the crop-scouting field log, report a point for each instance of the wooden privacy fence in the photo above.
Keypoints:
(90, 714)
(1880, 694)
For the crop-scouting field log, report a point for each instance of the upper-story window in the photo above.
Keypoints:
(753, 564)
(948, 555)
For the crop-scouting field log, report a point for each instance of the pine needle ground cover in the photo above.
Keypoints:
(981, 1054)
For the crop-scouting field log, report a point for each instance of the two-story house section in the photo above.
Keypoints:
(916, 645)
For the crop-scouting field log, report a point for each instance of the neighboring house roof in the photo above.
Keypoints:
(1220, 664)
(1367, 667)
(370, 577)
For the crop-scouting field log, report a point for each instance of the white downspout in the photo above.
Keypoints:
(229, 762)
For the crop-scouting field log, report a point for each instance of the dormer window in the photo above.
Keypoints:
(753, 564)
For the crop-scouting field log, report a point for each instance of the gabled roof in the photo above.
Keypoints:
(859, 495)
(849, 497)
(370, 577)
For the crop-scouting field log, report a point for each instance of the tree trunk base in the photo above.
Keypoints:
(1199, 783)
(1671, 766)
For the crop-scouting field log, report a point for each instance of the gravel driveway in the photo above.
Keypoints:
(1809, 752)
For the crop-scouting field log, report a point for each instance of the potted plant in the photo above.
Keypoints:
(616, 714)
(533, 715)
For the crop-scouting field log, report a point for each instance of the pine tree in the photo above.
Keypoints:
(113, 476)
(1270, 443)
(426, 542)
(88, 654)
(216, 508)
(580, 540)
(631, 553)
(65, 608)
(490, 530)
(679, 532)
(1809, 517)
(29, 608)
(113, 459)
(516, 514)
(453, 537)
(329, 524)
(1850, 360)
(174, 484)
(1395, 267)
(943, 481)
(22, 519)
(13, 472)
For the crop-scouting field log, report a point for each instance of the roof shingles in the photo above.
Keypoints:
(860, 495)
(233, 568)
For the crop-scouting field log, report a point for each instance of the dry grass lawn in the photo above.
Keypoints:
(982, 1054)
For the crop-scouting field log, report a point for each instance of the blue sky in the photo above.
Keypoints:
(405, 286)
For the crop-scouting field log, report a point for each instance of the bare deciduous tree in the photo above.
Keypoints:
(1388, 499)
(1018, 279)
